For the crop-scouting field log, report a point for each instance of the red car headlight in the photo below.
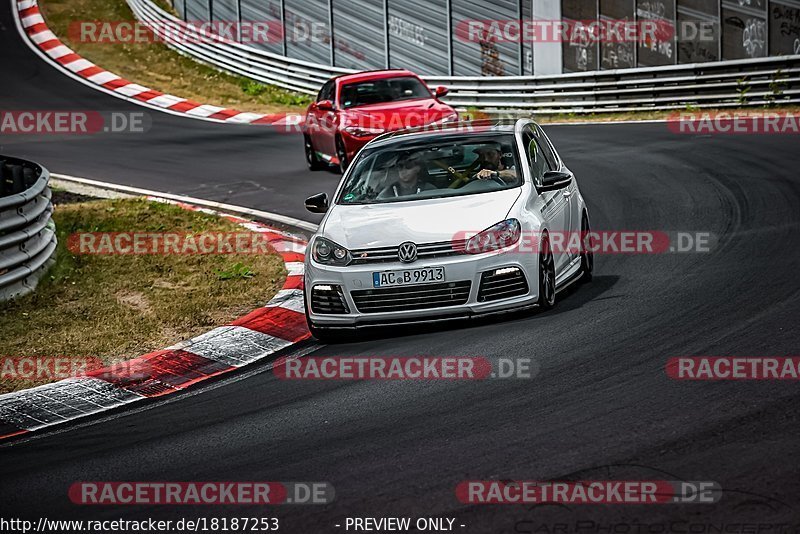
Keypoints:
(363, 131)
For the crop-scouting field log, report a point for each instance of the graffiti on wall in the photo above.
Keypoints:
(660, 49)
(616, 56)
(754, 37)
(784, 29)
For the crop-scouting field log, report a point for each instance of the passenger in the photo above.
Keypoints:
(410, 172)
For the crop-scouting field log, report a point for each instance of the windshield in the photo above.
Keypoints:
(462, 165)
(382, 90)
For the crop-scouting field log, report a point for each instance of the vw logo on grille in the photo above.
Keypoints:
(407, 252)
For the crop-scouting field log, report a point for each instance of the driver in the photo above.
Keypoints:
(409, 173)
(490, 159)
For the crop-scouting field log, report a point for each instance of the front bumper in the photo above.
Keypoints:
(457, 269)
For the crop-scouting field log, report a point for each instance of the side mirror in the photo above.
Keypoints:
(317, 203)
(555, 180)
(441, 91)
(325, 105)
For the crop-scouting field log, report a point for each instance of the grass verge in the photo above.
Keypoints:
(156, 66)
(119, 307)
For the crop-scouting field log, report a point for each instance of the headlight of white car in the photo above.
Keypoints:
(501, 235)
(327, 252)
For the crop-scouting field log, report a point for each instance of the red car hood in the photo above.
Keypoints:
(396, 115)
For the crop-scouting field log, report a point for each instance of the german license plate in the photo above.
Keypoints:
(427, 275)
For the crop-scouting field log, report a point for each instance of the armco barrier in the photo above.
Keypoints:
(751, 82)
(27, 233)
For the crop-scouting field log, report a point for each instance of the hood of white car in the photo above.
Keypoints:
(420, 221)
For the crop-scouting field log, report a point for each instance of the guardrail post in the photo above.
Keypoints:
(330, 29)
(387, 61)
(449, 9)
(239, 21)
(283, 26)
(521, 44)
(719, 18)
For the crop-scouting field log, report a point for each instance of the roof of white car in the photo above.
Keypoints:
(478, 127)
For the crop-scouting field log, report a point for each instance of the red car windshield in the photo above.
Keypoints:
(382, 90)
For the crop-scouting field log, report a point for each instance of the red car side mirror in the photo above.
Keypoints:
(325, 105)
(441, 91)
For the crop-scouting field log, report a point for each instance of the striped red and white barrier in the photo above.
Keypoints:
(257, 335)
(41, 37)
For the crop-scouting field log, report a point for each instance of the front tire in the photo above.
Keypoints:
(547, 275)
(321, 335)
(587, 256)
(341, 155)
(313, 162)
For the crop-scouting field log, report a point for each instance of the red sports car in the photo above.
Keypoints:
(353, 109)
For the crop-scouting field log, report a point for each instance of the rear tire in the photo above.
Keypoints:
(313, 162)
(587, 256)
(547, 275)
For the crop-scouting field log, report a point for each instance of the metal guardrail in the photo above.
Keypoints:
(751, 82)
(27, 232)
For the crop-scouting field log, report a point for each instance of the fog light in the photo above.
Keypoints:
(505, 270)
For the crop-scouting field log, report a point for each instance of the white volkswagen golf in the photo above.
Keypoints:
(445, 223)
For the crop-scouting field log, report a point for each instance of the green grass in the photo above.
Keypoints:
(122, 306)
(158, 67)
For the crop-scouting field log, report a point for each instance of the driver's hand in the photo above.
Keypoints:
(486, 174)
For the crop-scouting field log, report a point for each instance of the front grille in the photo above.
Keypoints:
(510, 282)
(420, 297)
(425, 251)
(328, 299)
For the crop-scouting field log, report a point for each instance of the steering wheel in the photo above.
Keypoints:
(465, 176)
(455, 174)
(495, 179)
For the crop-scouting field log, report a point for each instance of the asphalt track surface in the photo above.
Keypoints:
(601, 406)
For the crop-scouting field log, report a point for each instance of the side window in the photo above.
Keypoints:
(326, 93)
(536, 157)
(547, 149)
